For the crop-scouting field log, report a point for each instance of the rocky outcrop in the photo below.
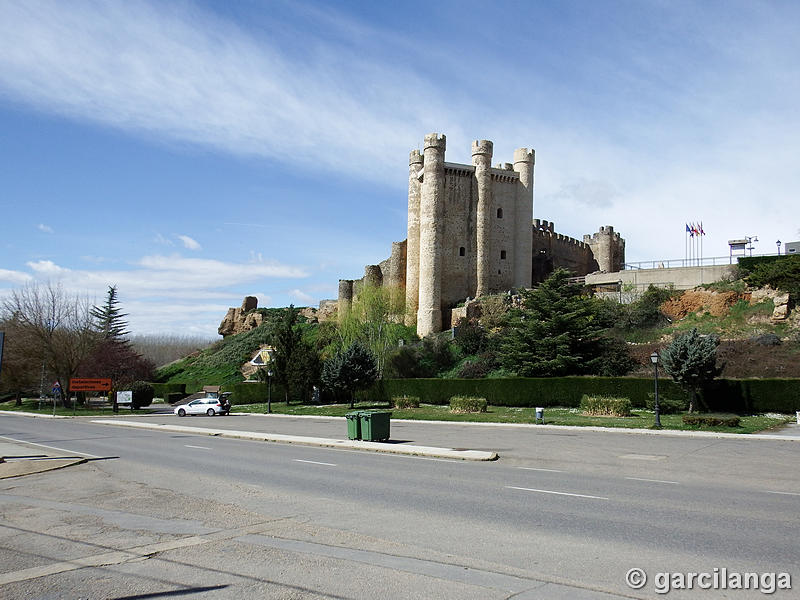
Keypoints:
(779, 299)
(239, 320)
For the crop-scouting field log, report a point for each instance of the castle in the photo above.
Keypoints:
(471, 233)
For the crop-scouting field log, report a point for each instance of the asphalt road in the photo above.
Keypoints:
(559, 515)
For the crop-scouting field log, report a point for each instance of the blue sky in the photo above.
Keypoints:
(192, 153)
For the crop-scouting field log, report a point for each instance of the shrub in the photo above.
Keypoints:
(405, 402)
(606, 406)
(711, 420)
(143, 394)
(467, 404)
(163, 390)
(666, 406)
(174, 397)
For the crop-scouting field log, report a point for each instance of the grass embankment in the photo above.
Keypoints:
(640, 419)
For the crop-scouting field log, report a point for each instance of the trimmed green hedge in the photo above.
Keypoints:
(162, 390)
(606, 406)
(748, 263)
(743, 396)
(468, 404)
(253, 393)
(523, 391)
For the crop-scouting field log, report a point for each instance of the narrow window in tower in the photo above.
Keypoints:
(462, 251)
(502, 254)
(499, 213)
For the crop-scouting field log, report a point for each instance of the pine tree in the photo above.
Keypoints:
(556, 333)
(109, 318)
(691, 361)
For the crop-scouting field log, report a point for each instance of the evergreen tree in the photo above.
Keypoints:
(556, 333)
(691, 361)
(351, 370)
(287, 337)
(109, 318)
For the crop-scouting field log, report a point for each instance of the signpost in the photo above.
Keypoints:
(87, 384)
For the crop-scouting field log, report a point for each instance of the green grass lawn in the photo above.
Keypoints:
(32, 405)
(640, 419)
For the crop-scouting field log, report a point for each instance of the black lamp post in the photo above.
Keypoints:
(778, 243)
(654, 360)
(269, 391)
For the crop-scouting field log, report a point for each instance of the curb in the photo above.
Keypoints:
(427, 451)
(545, 427)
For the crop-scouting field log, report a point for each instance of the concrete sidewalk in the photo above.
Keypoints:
(20, 458)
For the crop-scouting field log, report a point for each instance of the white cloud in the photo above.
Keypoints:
(15, 277)
(184, 75)
(190, 243)
(44, 228)
(164, 293)
(302, 297)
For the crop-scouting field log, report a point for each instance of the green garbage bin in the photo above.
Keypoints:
(375, 425)
(353, 425)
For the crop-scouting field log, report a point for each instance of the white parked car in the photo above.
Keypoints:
(201, 406)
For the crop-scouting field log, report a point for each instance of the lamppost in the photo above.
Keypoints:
(269, 391)
(654, 360)
(778, 243)
(750, 240)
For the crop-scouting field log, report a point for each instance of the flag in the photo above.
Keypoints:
(694, 230)
(701, 229)
(687, 229)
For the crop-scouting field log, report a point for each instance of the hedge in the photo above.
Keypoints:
(522, 391)
(743, 396)
(162, 390)
(253, 393)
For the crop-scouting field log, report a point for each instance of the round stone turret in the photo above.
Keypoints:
(482, 148)
(482, 159)
(523, 260)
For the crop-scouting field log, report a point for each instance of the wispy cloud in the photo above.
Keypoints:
(190, 243)
(181, 74)
(160, 289)
(300, 295)
(44, 228)
(15, 277)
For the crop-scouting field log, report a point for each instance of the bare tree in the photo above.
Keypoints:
(58, 327)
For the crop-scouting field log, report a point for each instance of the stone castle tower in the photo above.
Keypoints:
(469, 228)
(471, 232)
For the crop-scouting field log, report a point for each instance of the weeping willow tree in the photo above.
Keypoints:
(374, 319)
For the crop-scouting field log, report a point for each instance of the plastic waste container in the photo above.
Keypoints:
(353, 425)
(539, 414)
(375, 425)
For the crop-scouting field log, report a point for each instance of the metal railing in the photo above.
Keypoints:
(674, 263)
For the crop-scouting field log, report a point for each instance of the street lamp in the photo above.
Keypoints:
(778, 243)
(269, 391)
(654, 360)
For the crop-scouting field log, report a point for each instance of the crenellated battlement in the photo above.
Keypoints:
(482, 147)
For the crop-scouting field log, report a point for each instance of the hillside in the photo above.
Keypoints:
(753, 342)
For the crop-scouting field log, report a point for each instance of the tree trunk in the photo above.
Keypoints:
(19, 398)
(352, 399)
(693, 401)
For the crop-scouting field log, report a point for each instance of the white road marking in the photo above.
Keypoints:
(535, 469)
(314, 462)
(784, 493)
(51, 447)
(511, 487)
(198, 447)
(652, 480)
(643, 456)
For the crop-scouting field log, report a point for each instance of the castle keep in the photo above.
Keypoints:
(471, 233)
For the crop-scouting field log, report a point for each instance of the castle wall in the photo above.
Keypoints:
(551, 250)
(502, 216)
(459, 232)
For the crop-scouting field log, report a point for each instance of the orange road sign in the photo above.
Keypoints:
(86, 384)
